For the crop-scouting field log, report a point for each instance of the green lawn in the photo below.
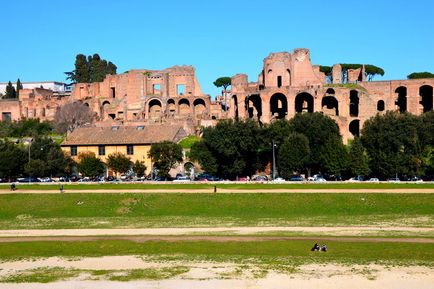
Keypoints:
(210, 186)
(267, 252)
(129, 210)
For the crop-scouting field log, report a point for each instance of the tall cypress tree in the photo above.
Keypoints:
(81, 69)
(19, 87)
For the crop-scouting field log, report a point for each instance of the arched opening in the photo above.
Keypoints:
(154, 108)
(426, 97)
(171, 107)
(199, 106)
(354, 127)
(86, 104)
(254, 106)
(354, 103)
(104, 107)
(330, 91)
(304, 102)
(330, 106)
(184, 106)
(279, 105)
(189, 169)
(235, 106)
(380, 105)
(401, 99)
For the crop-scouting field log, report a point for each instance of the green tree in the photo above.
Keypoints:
(393, 144)
(119, 163)
(318, 129)
(164, 156)
(293, 154)
(372, 70)
(12, 160)
(90, 69)
(328, 71)
(19, 87)
(10, 91)
(89, 165)
(419, 75)
(224, 82)
(333, 157)
(358, 159)
(139, 168)
(35, 168)
(200, 153)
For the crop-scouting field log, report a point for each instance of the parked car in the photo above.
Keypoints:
(279, 180)
(373, 180)
(182, 179)
(296, 179)
(260, 178)
(28, 180)
(46, 180)
(394, 180)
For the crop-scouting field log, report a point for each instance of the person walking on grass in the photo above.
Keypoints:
(61, 188)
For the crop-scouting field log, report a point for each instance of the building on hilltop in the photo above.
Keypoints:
(287, 84)
(132, 141)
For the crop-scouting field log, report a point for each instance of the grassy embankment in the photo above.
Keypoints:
(129, 210)
(235, 186)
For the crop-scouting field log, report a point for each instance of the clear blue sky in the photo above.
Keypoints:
(220, 38)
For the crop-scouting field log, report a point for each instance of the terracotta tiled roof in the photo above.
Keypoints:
(124, 135)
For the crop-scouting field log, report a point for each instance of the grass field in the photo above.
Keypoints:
(210, 186)
(266, 252)
(129, 210)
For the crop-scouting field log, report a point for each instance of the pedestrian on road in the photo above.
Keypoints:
(61, 188)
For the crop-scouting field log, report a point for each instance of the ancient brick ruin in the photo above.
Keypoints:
(288, 84)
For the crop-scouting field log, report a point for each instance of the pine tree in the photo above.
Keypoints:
(81, 69)
(10, 91)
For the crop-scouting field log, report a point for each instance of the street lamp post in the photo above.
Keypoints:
(30, 145)
(274, 161)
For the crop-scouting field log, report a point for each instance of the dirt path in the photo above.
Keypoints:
(141, 239)
(219, 190)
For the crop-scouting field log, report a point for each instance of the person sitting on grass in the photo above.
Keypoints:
(315, 247)
(324, 248)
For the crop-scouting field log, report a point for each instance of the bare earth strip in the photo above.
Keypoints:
(213, 275)
(219, 190)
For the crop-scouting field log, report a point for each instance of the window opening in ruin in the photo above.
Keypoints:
(101, 150)
(380, 105)
(6, 116)
(354, 127)
(180, 89)
(154, 108)
(254, 106)
(113, 91)
(354, 103)
(140, 127)
(278, 105)
(235, 99)
(289, 77)
(43, 112)
(401, 99)
(156, 89)
(112, 115)
(304, 102)
(426, 97)
(279, 81)
(330, 105)
(330, 91)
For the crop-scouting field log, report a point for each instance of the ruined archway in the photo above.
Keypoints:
(254, 106)
(401, 99)
(155, 108)
(104, 107)
(184, 106)
(354, 127)
(199, 106)
(304, 102)
(330, 106)
(380, 105)
(354, 103)
(171, 107)
(278, 105)
(426, 97)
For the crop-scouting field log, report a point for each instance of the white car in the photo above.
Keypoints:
(182, 179)
(279, 180)
(373, 180)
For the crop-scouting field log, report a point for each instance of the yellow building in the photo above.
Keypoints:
(132, 141)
